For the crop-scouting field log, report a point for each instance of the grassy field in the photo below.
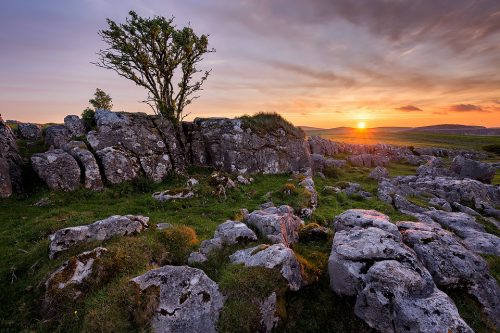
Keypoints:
(416, 139)
(110, 306)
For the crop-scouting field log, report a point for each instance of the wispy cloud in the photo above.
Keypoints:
(467, 108)
(409, 108)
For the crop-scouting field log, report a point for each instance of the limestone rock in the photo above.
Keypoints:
(56, 136)
(75, 125)
(468, 168)
(361, 218)
(276, 256)
(452, 265)
(28, 131)
(278, 224)
(58, 169)
(73, 273)
(169, 195)
(86, 160)
(115, 225)
(118, 165)
(308, 184)
(368, 160)
(379, 173)
(187, 299)
(10, 163)
(268, 308)
(235, 148)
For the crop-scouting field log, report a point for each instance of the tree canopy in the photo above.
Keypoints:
(155, 54)
(101, 100)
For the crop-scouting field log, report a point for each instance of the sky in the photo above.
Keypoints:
(320, 63)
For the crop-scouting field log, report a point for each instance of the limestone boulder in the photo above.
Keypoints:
(58, 169)
(115, 225)
(118, 165)
(379, 173)
(368, 160)
(56, 136)
(75, 125)
(361, 218)
(187, 300)
(10, 164)
(91, 174)
(276, 256)
(278, 224)
(469, 168)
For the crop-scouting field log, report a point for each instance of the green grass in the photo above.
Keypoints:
(264, 122)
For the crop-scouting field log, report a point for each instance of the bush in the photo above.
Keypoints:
(264, 123)
(88, 118)
(331, 171)
(178, 241)
(494, 148)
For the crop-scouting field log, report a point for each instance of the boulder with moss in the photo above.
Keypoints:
(276, 256)
(115, 225)
(185, 299)
(70, 280)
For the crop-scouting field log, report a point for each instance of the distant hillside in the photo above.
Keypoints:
(458, 129)
(443, 129)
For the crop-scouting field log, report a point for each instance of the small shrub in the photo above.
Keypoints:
(289, 189)
(331, 171)
(88, 118)
(178, 241)
(264, 123)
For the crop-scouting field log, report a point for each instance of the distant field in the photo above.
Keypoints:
(416, 139)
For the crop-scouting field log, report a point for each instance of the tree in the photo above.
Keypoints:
(156, 55)
(101, 100)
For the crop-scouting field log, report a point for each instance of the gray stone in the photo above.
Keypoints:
(276, 256)
(368, 160)
(361, 218)
(56, 136)
(441, 204)
(10, 164)
(278, 224)
(268, 308)
(118, 165)
(28, 131)
(379, 173)
(75, 125)
(188, 300)
(169, 195)
(115, 225)
(308, 184)
(243, 180)
(87, 162)
(58, 169)
(468, 168)
(452, 265)
(318, 162)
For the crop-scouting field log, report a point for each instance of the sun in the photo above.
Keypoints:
(361, 125)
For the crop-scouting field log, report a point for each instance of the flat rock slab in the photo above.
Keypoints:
(362, 218)
(276, 256)
(169, 195)
(278, 224)
(188, 300)
(115, 225)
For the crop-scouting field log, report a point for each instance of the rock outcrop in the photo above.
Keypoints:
(75, 125)
(58, 169)
(115, 225)
(278, 224)
(10, 163)
(468, 168)
(394, 291)
(187, 300)
(56, 136)
(308, 184)
(231, 146)
(452, 265)
(276, 256)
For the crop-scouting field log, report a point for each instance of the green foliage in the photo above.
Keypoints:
(493, 148)
(101, 100)
(88, 118)
(153, 52)
(470, 310)
(264, 123)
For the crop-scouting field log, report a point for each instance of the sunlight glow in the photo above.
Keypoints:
(361, 125)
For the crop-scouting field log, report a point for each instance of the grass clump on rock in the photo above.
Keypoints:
(267, 122)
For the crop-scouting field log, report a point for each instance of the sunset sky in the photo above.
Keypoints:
(323, 63)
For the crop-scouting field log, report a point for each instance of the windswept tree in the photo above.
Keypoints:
(156, 55)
